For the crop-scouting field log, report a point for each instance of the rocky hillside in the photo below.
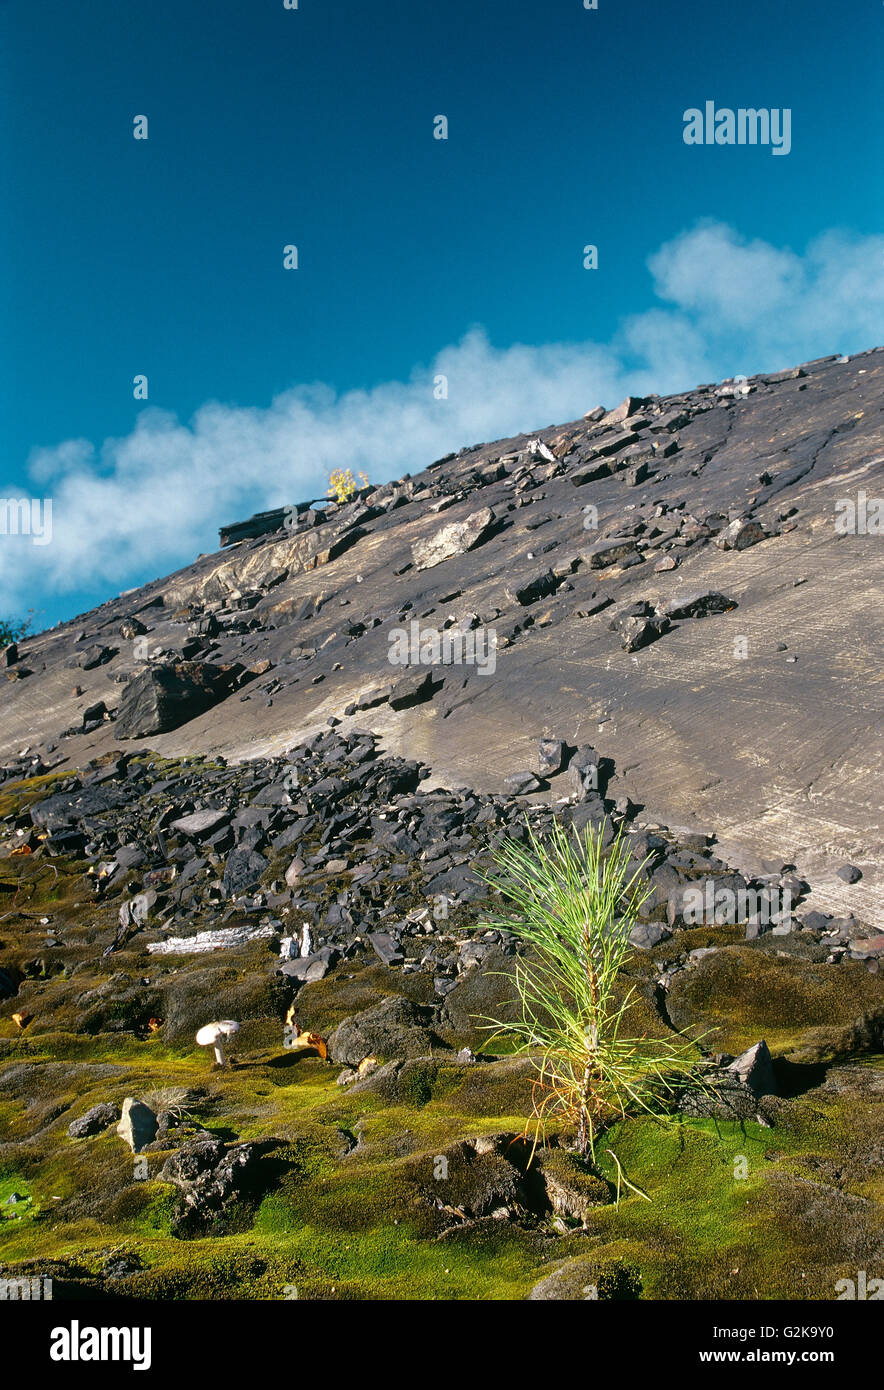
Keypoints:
(221, 802)
(759, 721)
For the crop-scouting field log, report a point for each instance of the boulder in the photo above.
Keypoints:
(138, 1124)
(395, 1028)
(163, 697)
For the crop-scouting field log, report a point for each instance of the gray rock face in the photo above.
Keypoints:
(138, 1124)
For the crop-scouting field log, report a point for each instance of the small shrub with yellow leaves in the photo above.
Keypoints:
(343, 486)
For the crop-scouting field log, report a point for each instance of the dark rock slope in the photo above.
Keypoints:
(666, 581)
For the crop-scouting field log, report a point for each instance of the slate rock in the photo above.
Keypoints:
(754, 1068)
(531, 590)
(163, 697)
(201, 823)
(294, 870)
(550, 756)
(590, 472)
(454, 539)
(646, 935)
(138, 909)
(849, 873)
(96, 656)
(308, 969)
(637, 633)
(609, 552)
(698, 605)
(627, 408)
(242, 871)
(522, 783)
(94, 1120)
(583, 772)
(414, 689)
(740, 534)
(386, 947)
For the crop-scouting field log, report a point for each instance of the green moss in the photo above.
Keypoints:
(736, 1211)
(802, 1009)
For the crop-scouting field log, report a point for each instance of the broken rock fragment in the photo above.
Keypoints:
(740, 534)
(164, 697)
(698, 605)
(454, 539)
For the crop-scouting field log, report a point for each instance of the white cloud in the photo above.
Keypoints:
(145, 504)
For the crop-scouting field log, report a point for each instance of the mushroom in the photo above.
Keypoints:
(211, 1035)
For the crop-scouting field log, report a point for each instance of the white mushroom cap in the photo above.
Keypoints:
(211, 1032)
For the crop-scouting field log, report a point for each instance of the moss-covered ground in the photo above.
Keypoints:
(346, 1202)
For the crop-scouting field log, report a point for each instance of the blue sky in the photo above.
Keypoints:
(270, 126)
